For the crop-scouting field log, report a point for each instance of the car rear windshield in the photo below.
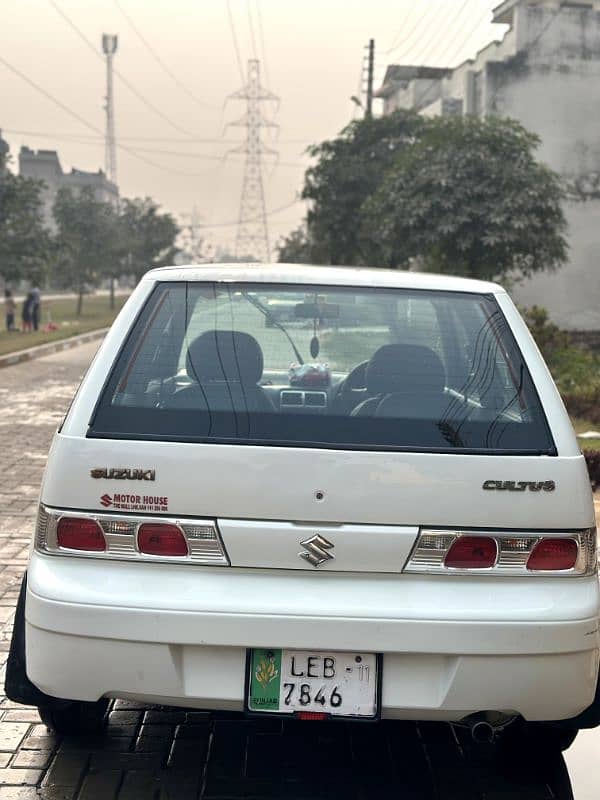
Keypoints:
(323, 366)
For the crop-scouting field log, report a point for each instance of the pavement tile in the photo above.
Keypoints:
(18, 793)
(12, 735)
(23, 714)
(102, 760)
(18, 777)
(37, 759)
(139, 786)
(101, 785)
(67, 769)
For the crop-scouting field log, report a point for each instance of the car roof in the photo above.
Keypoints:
(327, 276)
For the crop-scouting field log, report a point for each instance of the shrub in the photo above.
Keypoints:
(584, 402)
(592, 458)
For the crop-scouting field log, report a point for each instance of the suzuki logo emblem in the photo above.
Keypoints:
(316, 552)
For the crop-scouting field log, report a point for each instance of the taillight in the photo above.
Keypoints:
(472, 552)
(79, 533)
(553, 554)
(160, 539)
(523, 553)
(130, 537)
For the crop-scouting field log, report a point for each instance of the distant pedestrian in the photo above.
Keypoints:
(27, 312)
(35, 308)
(9, 307)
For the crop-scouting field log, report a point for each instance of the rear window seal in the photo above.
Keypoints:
(292, 444)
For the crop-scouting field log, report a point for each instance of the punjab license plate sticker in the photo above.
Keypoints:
(286, 681)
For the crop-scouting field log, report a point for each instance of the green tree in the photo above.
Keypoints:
(296, 248)
(468, 198)
(348, 171)
(86, 240)
(24, 242)
(147, 236)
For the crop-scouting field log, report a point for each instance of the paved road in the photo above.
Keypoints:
(157, 753)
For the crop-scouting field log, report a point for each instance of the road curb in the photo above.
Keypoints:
(52, 347)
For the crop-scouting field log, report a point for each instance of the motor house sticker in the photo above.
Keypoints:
(135, 502)
(130, 502)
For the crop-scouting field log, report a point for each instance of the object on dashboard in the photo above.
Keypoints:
(309, 375)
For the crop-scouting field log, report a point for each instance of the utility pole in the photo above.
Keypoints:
(252, 232)
(370, 72)
(109, 48)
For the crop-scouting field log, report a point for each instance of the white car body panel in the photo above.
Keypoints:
(178, 634)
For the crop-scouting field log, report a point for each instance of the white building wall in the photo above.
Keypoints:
(546, 74)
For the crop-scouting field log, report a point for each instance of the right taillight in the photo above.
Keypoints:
(160, 539)
(553, 554)
(499, 553)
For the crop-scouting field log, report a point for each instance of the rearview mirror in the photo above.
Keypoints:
(317, 311)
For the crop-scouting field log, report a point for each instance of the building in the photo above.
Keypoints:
(44, 165)
(544, 72)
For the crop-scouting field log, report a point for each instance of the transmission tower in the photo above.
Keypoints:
(109, 48)
(252, 233)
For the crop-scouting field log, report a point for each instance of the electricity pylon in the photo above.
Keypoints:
(109, 48)
(252, 237)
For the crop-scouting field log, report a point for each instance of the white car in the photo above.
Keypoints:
(411, 538)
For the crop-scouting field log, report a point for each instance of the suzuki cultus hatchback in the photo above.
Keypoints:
(371, 506)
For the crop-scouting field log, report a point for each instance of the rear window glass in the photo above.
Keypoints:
(324, 367)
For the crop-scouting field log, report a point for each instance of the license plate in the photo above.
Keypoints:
(337, 684)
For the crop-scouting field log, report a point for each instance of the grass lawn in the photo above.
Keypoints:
(581, 426)
(97, 313)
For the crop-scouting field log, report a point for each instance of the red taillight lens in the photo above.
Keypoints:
(472, 552)
(80, 534)
(553, 554)
(158, 539)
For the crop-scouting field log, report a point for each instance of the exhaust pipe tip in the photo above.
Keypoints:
(482, 732)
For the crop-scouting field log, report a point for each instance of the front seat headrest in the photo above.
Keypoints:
(230, 356)
(405, 368)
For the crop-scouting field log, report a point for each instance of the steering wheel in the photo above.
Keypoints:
(352, 390)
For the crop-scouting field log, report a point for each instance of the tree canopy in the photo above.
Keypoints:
(348, 170)
(86, 241)
(457, 195)
(24, 243)
(147, 236)
(468, 199)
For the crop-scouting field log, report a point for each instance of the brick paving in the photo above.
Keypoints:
(155, 753)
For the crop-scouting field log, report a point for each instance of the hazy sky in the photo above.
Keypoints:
(313, 52)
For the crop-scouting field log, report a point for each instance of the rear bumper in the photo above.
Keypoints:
(180, 636)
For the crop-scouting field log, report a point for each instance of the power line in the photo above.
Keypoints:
(439, 33)
(413, 30)
(464, 41)
(191, 140)
(85, 122)
(258, 218)
(235, 42)
(119, 74)
(159, 59)
(262, 42)
(395, 43)
(251, 28)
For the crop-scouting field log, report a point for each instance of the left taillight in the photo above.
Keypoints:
(129, 537)
(80, 533)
